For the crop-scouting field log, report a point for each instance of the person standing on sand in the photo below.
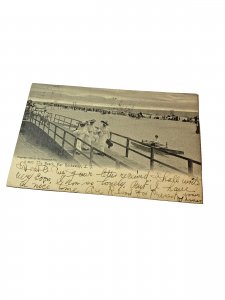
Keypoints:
(197, 128)
(81, 133)
(156, 141)
(103, 136)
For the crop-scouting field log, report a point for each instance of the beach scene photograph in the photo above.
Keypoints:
(134, 130)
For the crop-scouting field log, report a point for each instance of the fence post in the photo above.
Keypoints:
(152, 158)
(75, 146)
(117, 164)
(63, 139)
(127, 147)
(190, 166)
(91, 155)
(70, 123)
(55, 133)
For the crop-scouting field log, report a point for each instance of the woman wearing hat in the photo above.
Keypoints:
(31, 110)
(81, 133)
(92, 133)
(156, 140)
(103, 135)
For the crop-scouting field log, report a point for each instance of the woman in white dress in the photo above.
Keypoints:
(81, 133)
(92, 132)
(104, 134)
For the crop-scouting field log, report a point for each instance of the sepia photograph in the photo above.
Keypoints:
(112, 157)
(111, 131)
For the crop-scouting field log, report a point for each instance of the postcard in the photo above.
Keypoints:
(126, 143)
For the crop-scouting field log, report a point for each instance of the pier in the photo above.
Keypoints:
(59, 129)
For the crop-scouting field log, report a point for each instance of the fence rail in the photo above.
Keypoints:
(66, 121)
(74, 123)
(62, 140)
(152, 150)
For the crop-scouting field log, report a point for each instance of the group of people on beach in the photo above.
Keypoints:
(97, 136)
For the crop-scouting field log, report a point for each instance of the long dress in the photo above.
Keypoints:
(81, 133)
(103, 136)
(92, 135)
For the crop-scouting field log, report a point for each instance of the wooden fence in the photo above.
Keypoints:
(152, 150)
(66, 121)
(68, 141)
(51, 126)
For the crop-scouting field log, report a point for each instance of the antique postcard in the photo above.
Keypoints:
(114, 142)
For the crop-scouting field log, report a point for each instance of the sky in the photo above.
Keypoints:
(114, 98)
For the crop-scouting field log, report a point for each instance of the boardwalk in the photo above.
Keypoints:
(60, 129)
